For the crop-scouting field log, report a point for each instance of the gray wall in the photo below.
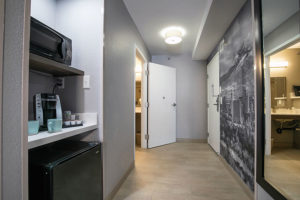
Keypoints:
(121, 35)
(1, 67)
(191, 121)
(261, 194)
(283, 34)
(15, 85)
(38, 83)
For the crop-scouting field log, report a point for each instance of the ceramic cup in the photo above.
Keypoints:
(33, 127)
(73, 117)
(54, 125)
(67, 123)
(78, 122)
(67, 115)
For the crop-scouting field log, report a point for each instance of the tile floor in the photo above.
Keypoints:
(283, 171)
(180, 171)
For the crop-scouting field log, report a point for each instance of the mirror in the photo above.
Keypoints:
(281, 69)
(278, 90)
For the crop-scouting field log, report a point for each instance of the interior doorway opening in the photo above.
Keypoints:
(139, 62)
(140, 100)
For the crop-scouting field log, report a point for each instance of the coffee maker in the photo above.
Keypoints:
(46, 106)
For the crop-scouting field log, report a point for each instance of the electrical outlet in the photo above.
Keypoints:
(61, 82)
(86, 82)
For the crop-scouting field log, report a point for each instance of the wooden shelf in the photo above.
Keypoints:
(44, 137)
(295, 97)
(45, 65)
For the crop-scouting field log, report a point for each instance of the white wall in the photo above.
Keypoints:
(82, 21)
(44, 10)
(191, 95)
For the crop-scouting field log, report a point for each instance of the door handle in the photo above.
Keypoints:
(174, 104)
(217, 103)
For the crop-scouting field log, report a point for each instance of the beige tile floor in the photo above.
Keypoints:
(283, 171)
(180, 171)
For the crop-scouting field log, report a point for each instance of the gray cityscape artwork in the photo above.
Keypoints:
(237, 96)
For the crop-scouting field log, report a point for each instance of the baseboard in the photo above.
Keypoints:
(245, 187)
(118, 186)
(184, 140)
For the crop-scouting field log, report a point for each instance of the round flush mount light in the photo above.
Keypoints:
(173, 34)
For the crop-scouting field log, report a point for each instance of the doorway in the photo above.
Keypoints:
(154, 103)
(140, 100)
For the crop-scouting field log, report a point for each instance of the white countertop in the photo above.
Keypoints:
(42, 138)
(286, 112)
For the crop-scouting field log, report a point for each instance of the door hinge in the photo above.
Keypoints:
(207, 76)
(147, 104)
(147, 137)
(207, 105)
(146, 72)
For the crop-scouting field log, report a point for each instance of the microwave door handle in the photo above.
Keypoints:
(63, 47)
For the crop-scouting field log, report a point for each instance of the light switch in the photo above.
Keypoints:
(86, 82)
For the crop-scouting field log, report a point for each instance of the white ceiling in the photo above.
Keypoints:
(151, 16)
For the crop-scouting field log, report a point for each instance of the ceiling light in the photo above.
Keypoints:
(282, 64)
(173, 34)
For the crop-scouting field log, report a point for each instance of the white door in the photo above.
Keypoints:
(162, 105)
(213, 91)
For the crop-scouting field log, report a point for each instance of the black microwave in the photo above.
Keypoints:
(48, 43)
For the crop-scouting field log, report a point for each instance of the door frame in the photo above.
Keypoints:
(144, 117)
(267, 89)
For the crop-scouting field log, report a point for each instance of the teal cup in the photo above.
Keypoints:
(54, 125)
(33, 127)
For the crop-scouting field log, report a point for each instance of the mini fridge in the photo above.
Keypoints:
(68, 170)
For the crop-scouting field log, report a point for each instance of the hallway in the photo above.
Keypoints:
(180, 171)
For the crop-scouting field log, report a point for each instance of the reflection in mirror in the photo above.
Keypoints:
(278, 91)
(281, 41)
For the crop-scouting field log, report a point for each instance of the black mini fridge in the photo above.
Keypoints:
(68, 170)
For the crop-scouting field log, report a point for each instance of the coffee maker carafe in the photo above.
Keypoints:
(46, 106)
